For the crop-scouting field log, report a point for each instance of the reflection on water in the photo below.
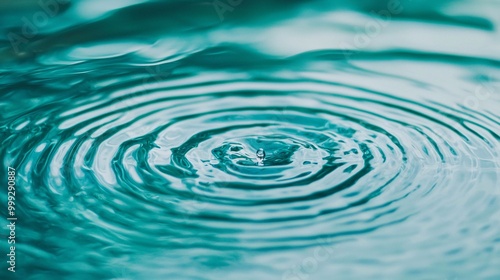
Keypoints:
(252, 139)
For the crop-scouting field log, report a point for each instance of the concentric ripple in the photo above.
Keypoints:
(189, 146)
(340, 161)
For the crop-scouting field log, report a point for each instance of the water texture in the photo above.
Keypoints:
(251, 139)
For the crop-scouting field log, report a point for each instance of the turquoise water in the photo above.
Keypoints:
(251, 139)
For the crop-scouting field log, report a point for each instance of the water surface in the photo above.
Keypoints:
(252, 139)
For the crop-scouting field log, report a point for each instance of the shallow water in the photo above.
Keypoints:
(252, 139)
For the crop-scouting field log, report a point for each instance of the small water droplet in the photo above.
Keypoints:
(261, 154)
